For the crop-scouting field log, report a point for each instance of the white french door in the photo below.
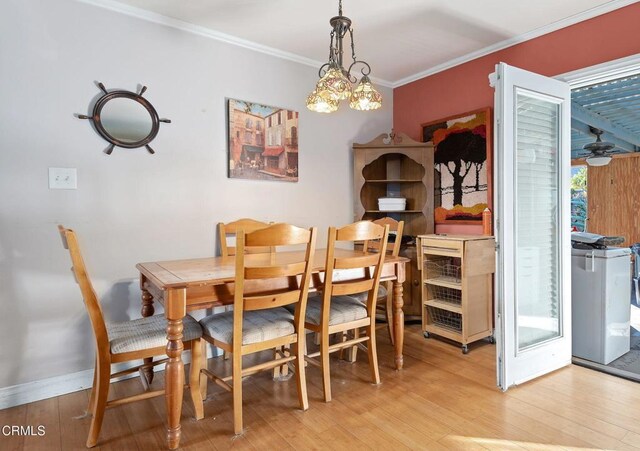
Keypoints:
(531, 176)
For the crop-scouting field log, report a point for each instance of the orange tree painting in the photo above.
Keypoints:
(463, 165)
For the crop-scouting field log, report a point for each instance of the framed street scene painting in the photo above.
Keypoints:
(263, 142)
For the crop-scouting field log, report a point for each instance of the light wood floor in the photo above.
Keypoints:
(441, 400)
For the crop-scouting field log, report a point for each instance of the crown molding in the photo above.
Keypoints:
(571, 20)
(161, 19)
(601, 73)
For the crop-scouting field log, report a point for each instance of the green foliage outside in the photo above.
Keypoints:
(579, 198)
(579, 179)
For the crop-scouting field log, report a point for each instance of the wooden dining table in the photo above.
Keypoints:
(195, 284)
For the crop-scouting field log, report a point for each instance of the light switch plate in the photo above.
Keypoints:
(63, 178)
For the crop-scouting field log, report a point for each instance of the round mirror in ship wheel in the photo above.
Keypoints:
(125, 119)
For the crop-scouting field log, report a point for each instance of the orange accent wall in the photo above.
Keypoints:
(466, 87)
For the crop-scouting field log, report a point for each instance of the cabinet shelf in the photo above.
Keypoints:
(393, 211)
(444, 305)
(448, 282)
(394, 181)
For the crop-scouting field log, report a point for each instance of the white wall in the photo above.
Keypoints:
(131, 206)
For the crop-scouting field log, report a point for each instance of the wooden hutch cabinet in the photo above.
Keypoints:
(394, 165)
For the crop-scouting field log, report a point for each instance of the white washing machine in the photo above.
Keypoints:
(601, 303)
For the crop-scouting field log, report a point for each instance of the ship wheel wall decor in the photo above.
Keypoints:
(125, 119)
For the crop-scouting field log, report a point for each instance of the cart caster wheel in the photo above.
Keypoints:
(465, 349)
(492, 340)
(426, 334)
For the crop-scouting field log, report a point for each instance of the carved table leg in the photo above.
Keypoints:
(175, 310)
(398, 323)
(147, 310)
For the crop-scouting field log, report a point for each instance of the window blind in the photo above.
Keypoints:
(537, 253)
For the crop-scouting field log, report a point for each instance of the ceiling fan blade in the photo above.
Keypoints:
(599, 146)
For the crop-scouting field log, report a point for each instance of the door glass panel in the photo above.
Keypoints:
(537, 257)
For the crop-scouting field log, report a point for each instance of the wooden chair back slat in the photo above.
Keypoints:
(356, 262)
(231, 228)
(393, 248)
(231, 250)
(269, 272)
(271, 300)
(89, 296)
(265, 286)
(346, 288)
(360, 231)
(277, 235)
(374, 246)
(246, 224)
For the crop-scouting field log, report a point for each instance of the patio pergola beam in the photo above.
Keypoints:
(581, 114)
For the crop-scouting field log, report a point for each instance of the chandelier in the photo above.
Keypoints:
(336, 82)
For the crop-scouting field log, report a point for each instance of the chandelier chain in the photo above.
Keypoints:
(331, 49)
(353, 45)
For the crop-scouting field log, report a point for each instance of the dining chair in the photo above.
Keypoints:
(123, 342)
(264, 284)
(230, 229)
(385, 292)
(335, 311)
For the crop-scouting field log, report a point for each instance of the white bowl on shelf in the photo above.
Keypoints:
(392, 203)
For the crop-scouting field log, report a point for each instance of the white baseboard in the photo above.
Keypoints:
(45, 388)
(51, 387)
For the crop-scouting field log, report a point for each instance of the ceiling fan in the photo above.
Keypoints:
(599, 150)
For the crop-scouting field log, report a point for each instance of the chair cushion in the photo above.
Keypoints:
(342, 310)
(257, 325)
(147, 333)
(362, 297)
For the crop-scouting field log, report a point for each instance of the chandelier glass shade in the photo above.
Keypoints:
(365, 97)
(321, 103)
(336, 82)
